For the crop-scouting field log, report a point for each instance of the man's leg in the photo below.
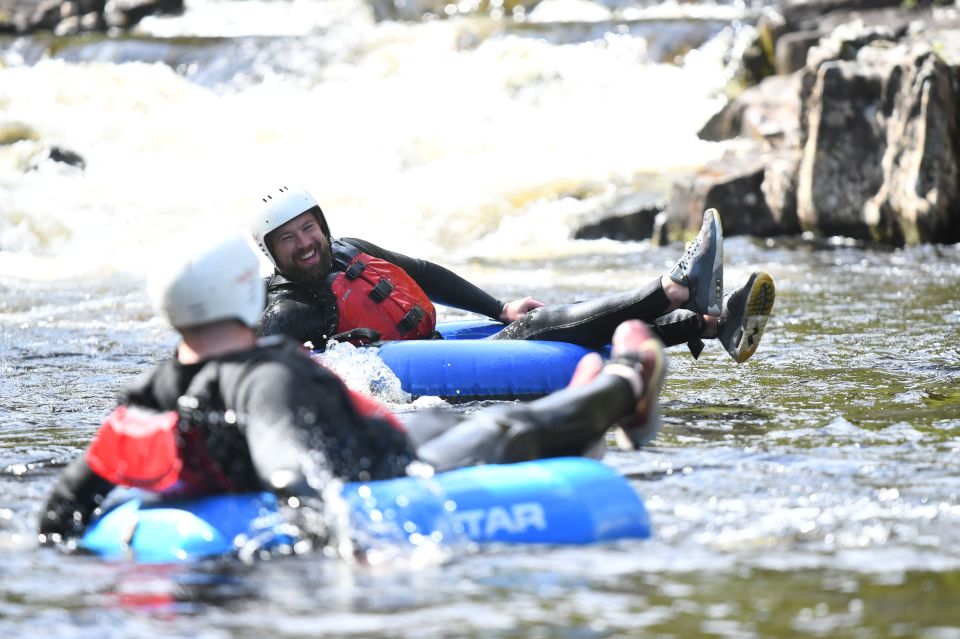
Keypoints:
(590, 323)
(739, 328)
(694, 283)
(568, 422)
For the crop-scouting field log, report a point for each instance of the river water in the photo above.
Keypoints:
(811, 491)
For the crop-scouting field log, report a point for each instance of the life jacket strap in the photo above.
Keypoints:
(357, 336)
(354, 270)
(411, 319)
(380, 292)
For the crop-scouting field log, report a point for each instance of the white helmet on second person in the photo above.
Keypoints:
(279, 206)
(216, 281)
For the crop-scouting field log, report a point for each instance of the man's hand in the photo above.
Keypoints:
(514, 310)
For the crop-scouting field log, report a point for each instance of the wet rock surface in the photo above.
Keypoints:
(861, 139)
(67, 17)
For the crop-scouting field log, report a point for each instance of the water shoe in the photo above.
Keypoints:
(700, 268)
(745, 314)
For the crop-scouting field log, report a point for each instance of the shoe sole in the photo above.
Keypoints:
(759, 305)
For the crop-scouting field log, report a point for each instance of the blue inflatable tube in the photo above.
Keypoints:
(464, 366)
(569, 500)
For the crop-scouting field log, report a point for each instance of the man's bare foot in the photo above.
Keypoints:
(638, 357)
(678, 294)
(587, 369)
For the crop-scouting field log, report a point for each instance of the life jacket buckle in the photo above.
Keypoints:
(354, 270)
(411, 319)
(380, 292)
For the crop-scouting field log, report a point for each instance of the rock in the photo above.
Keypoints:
(126, 13)
(787, 33)
(66, 156)
(808, 15)
(59, 155)
(919, 200)
(632, 218)
(779, 190)
(753, 190)
(769, 111)
(866, 146)
(841, 169)
(882, 148)
(792, 48)
(68, 17)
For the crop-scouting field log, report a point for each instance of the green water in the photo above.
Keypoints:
(812, 491)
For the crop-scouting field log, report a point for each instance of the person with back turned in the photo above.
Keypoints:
(231, 412)
(350, 289)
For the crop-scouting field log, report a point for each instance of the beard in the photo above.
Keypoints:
(314, 272)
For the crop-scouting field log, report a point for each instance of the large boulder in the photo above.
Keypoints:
(753, 184)
(919, 200)
(881, 153)
(845, 140)
(755, 192)
(863, 141)
(769, 111)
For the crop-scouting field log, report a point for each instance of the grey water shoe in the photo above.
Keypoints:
(745, 314)
(701, 267)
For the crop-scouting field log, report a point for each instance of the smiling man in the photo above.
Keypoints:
(350, 289)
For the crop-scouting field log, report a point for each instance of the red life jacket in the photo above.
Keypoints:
(374, 294)
(137, 447)
(155, 451)
(148, 449)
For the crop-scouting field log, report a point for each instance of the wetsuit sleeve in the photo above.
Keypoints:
(441, 285)
(302, 430)
(75, 498)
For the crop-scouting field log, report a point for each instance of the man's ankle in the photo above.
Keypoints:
(677, 293)
(710, 324)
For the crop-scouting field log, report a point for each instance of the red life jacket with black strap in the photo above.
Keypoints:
(375, 294)
(198, 449)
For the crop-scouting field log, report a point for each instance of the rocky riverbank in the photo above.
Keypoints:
(861, 139)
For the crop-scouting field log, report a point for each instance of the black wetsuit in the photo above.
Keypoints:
(297, 427)
(295, 422)
(307, 311)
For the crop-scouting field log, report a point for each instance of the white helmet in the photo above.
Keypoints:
(218, 281)
(278, 207)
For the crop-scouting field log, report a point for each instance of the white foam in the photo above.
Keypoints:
(425, 138)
